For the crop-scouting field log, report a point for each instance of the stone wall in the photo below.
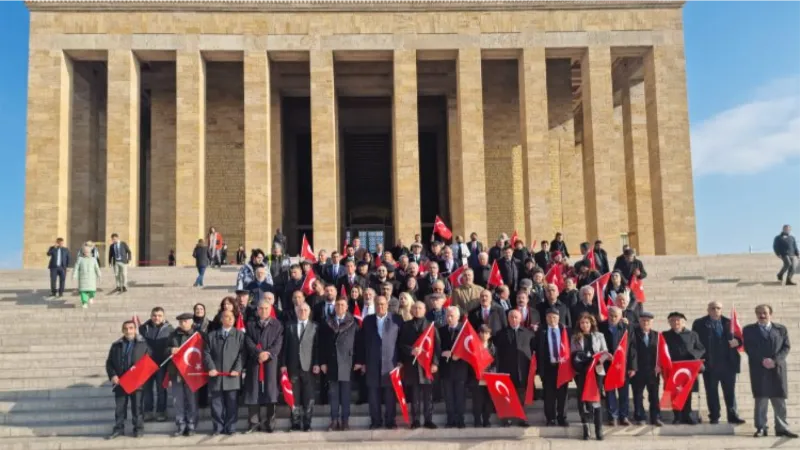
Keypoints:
(225, 151)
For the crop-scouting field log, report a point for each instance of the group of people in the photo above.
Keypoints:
(364, 312)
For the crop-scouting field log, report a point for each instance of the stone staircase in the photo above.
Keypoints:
(54, 393)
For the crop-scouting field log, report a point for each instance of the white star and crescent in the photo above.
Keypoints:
(506, 394)
(679, 387)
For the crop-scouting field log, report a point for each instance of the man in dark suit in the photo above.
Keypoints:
(767, 347)
(617, 402)
(482, 270)
(350, 278)
(643, 369)
(552, 302)
(548, 345)
(515, 346)
(722, 362)
(59, 261)
(425, 284)
(601, 257)
(332, 271)
(294, 283)
(530, 316)
(475, 247)
(337, 339)
(321, 266)
(509, 268)
(324, 309)
(629, 265)
(377, 356)
(299, 359)
(683, 345)
(123, 355)
(488, 313)
(542, 257)
(119, 256)
(453, 371)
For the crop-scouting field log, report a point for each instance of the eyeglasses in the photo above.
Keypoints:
(715, 307)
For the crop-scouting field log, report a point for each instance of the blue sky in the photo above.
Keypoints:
(743, 70)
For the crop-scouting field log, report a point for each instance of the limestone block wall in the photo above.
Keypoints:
(225, 151)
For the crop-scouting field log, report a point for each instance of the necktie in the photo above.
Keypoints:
(717, 327)
(764, 331)
(646, 339)
(505, 305)
(302, 329)
(553, 345)
(330, 310)
(485, 315)
(225, 334)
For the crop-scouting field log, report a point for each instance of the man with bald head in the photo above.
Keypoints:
(299, 359)
(418, 387)
(515, 346)
(722, 362)
(487, 312)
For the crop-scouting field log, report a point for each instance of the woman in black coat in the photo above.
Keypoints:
(586, 342)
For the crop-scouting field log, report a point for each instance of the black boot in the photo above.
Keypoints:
(586, 432)
(598, 423)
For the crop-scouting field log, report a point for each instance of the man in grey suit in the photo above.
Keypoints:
(299, 361)
(377, 355)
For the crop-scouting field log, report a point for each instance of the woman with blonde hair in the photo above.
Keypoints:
(404, 310)
(86, 272)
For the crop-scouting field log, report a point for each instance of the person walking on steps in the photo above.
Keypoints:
(119, 256)
(59, 261)
(785, 248)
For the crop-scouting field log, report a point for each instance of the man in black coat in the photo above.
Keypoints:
(263, 343)
(59, 261)
(767, 346)
(542, 257)
(530, 316)
(548, 344)
(185, 401)
(425, 283)
(294, 283)
(629, 265)
(377, 355)
(785, 247)
(558, 245)
(510, 268)
(482, 269)
(453, 371)
(722, 362)
(643, 369)
(337, 339)
(325, 309)
(475, 247)
(123, 355)
(586, 304)
(515, 346)
(298, 359)
(683, 345)
(601, 257)
(488, 313)
(350, 278)
(552, 302)
(617, 402)
(156, 333)
(418, 387)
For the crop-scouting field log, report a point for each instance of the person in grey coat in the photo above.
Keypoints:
(223, 359)
(299, 361)
(263, 340)
(377, 355)
(785, 248)
(337, 349)
(767, 346)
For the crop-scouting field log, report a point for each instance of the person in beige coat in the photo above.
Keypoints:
(468, 295)
(86, 273)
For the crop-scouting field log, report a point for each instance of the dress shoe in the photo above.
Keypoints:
(786, 433)
(689, 421)
(612, 422)
(138, 433)
(114, 434)
(189, 432)
(149, 417)
(415, 425)
(713, 421)
(307, 427)
(563, 423)
(430, 425)
(333, 426)
(461, 425)
(391, 426)
(345, 426)
(760, 432)
(506, 423)
(523, 424)
(658, 423)
(550, 423)
(179, 432)
(624, 422)
(735, 420)
(791, 283)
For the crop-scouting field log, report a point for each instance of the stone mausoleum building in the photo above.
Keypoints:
(158, 119)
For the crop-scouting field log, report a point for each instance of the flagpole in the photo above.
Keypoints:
(179, 349)
(454, 342)
(426, 332)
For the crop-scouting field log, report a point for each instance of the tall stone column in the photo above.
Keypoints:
(48, 151)
(324, 149)
(455, 190)
(637, 168)
(670, 153)
(122, 157)
(472, 186)
(599, 142)
(534, 137)
(190, 154)
(276, 160)
(257, 150)
(405, 147)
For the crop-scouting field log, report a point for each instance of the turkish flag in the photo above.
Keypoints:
(308, 283)
(423, 268)
(286, 387)
(555, 276)
(441, 229)
(600, 284)
(424, 359)
(260, 366)
(495, 279)
(165, 383)
(591, 393)
(447, 302)
(514, 238)
(306, 252)
(189, 362)
(531, 378)
(504, 396)
(397, 384)
(615, 377)
(344, 247)
(591, 259)
(637, 288)
(357, 314)
(602, 307)
(457, 277)
(678, 386)
(736, 328)
(138, 374)
(663, 359)
(378, 261)
(469, 347)
(240, 322)
(565, 370)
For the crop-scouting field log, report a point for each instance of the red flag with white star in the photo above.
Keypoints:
(504, 396)
(397, 384)
(307, 252)
(189, 362)
(615, 377)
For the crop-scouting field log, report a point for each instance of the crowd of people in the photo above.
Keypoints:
(338, 327)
